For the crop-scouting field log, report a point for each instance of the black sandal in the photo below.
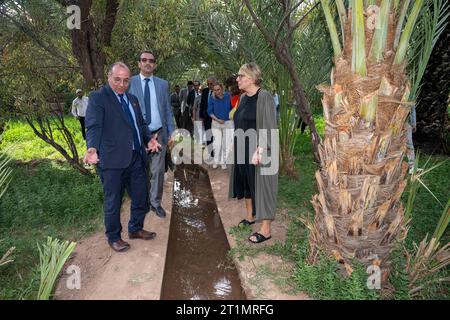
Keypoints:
(259, 238)
(245, 223)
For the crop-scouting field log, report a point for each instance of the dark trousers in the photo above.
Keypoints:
(187, 120)
(244, 183)
(115, 182)
(209, 138)
(177, 116)
(83, 129)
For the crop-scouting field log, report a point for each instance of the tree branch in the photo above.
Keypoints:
(286, 16)
(292, 29)
(259, 24)
(109, 21)
(30, 33)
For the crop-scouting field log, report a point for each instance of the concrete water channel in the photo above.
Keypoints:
(197, 262)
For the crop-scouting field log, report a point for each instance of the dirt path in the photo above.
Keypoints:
(258, 273)
(138, 273)
(133, 275)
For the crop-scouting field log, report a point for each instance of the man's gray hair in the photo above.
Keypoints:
(118, 64)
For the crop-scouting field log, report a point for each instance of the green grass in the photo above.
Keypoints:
(46, 197)
(426, 210)
(321, 281)
(27, 146)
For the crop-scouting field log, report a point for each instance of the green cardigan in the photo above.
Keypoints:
(266, 177)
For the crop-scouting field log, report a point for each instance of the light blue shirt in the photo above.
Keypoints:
(155, 122)
(132, 114)
(276, 99)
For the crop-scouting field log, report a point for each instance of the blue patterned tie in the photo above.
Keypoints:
(126, 109)
(147, 101)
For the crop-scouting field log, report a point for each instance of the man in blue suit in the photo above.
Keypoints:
(118, 141)
(154, 99)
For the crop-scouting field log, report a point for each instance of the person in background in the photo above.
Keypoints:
(235, 95)
(199, 134)
(79, 106)
(154, 99)
(187, 97)
(204, 116)
(219, 107)
(176, 105)
(410, 129)
(256, 111)
(276, 100)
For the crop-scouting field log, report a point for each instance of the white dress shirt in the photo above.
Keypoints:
(156, 122)
(79, 106)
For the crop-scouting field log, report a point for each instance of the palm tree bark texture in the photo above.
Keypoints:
(358, 211)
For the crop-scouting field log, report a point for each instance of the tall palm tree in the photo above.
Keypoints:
(358, 212)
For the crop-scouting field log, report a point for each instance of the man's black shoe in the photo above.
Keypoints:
(160, 212)
(119, 245)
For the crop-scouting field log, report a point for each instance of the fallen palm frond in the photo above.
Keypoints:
(5, 179)
(5, 171)
(416, 180)
(52, 256)
(6, 257)
(429, 257)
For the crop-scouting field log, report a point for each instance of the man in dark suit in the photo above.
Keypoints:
(176, 105)
(154, 100)
(118, 141)
(187, 97)
(204, 116)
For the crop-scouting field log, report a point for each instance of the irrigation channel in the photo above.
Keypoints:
(197, 262)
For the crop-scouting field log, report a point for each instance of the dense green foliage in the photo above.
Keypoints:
(45, 198)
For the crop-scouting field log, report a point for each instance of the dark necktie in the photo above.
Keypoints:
(127, 111)
(147, 102)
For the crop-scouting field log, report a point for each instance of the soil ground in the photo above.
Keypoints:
(138, 273)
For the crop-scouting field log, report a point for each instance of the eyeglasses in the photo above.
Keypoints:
(240, 76)
(149, 60)
(121, 81)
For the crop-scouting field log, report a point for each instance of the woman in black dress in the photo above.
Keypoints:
(254, 115)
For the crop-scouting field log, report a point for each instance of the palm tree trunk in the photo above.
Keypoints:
(358, 211)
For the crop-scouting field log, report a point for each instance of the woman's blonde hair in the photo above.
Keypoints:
(253, 71)
(217, 83)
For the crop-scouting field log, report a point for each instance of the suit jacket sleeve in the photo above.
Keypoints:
(94, 121)
(204, 103)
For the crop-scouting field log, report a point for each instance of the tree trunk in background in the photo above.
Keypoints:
(88, 41)
(282, 51)
(433, 130)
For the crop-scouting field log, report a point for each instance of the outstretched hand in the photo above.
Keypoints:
(91, 156)
(257, 156)
(153, 145)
